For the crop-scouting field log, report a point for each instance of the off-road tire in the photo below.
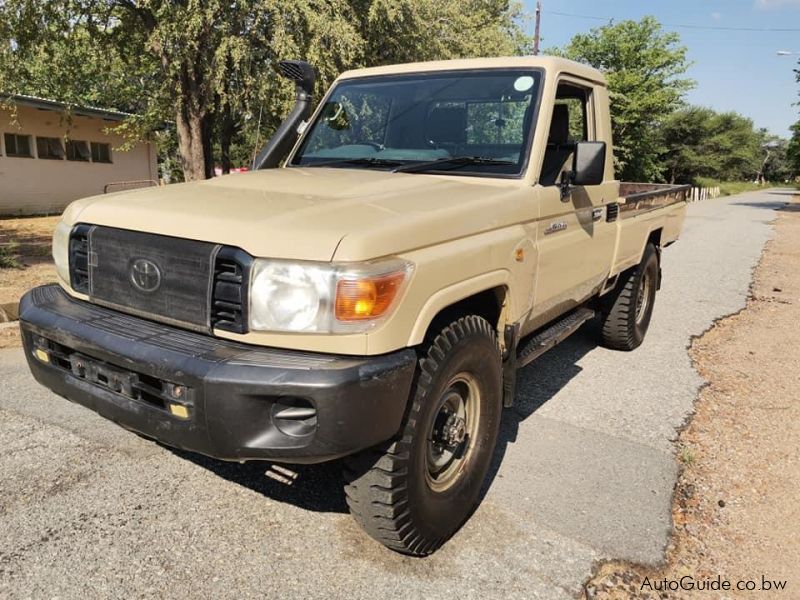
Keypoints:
(389, 489)
(623, 319)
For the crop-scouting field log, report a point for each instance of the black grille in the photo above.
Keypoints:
(612, 212)
(229, 296)
(176, 289)
(79, 258)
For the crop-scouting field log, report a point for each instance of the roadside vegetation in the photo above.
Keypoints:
(7, 258)
(207, 70)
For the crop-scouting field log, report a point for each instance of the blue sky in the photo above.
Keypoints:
(734, 70)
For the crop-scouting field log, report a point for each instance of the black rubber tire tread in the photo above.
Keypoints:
(618, 327)
(377, 479)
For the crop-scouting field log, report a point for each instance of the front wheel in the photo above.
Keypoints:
(415, 492)
(626, 311)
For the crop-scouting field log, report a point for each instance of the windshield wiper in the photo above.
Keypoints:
(455, 162)
(365, 160)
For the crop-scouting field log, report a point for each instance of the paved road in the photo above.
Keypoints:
(584, 471)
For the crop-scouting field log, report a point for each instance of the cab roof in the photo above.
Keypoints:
(551, 64)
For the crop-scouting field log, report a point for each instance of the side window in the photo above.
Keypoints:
(77, 150)
(49, 148)
(101, 153)
(570, 123)
(578, 131)
(17, 145)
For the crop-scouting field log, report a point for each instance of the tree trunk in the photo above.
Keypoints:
(191, 154)
(226, 132)
(194, 125)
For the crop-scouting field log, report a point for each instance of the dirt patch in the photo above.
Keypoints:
(25, 249)
(735, 510)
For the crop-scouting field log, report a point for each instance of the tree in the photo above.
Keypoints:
(208, 65)
(644, 66)
(700, 142)
(793, 151)
(793, 148)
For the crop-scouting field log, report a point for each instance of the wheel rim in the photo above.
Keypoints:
(643, 297)
(453, 432)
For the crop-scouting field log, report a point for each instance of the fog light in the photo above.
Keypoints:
(42, 355)
(179, 410)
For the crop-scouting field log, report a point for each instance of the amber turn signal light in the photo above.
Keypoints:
(360, 299)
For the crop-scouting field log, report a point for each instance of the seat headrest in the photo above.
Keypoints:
(448, 125)
(559, 126)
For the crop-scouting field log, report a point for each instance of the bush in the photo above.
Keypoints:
(7, 259)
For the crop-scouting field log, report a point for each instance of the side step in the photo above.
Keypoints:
(536, 345)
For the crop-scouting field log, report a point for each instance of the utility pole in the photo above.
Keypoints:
(537, 29)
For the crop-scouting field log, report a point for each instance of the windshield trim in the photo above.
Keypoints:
(526, 147)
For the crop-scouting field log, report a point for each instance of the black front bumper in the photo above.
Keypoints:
(220, 398)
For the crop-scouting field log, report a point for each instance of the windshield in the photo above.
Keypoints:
(482, 120)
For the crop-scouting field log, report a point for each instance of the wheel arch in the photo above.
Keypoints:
(486, 296)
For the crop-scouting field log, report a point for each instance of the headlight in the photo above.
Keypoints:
(61, 250)
(324, 298)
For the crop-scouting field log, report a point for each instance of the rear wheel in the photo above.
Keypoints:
(625, 312)
(414, 493)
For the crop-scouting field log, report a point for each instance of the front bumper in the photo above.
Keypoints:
(220, 398)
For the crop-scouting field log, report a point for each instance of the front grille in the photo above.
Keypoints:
(229, 292)
(159, 277)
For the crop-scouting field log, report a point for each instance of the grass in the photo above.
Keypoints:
(7, 259)
(731, 188)
(686, 456)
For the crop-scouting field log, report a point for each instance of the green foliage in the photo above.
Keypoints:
(7, 258)
(208, 65)
(700, 142)
(644, 67)
(793, 151)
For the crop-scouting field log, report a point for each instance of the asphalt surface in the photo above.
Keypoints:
(584, 471)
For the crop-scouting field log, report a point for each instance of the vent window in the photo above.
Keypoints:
(230, 287)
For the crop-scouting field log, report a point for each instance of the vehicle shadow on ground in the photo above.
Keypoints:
(537, 383)
(316, 488)
(319, 487)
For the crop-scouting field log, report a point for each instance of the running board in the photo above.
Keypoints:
(532, 348)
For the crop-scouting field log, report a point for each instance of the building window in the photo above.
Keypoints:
(77, 150)
(18, 145)
(49, 148)
(101, 153)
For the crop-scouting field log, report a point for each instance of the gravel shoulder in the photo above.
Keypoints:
(735, 508)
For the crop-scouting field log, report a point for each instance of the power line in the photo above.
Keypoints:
(681, 26)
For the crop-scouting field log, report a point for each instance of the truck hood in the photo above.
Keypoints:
(309, 213)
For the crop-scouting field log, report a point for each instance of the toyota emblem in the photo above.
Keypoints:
(145, 275)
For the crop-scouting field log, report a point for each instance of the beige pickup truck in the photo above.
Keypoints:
(369, 290)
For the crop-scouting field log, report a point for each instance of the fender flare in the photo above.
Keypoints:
(455, 293)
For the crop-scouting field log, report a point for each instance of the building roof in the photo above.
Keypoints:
(56, 106)
(549, 63)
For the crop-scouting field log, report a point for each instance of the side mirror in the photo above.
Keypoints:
(589, 163)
